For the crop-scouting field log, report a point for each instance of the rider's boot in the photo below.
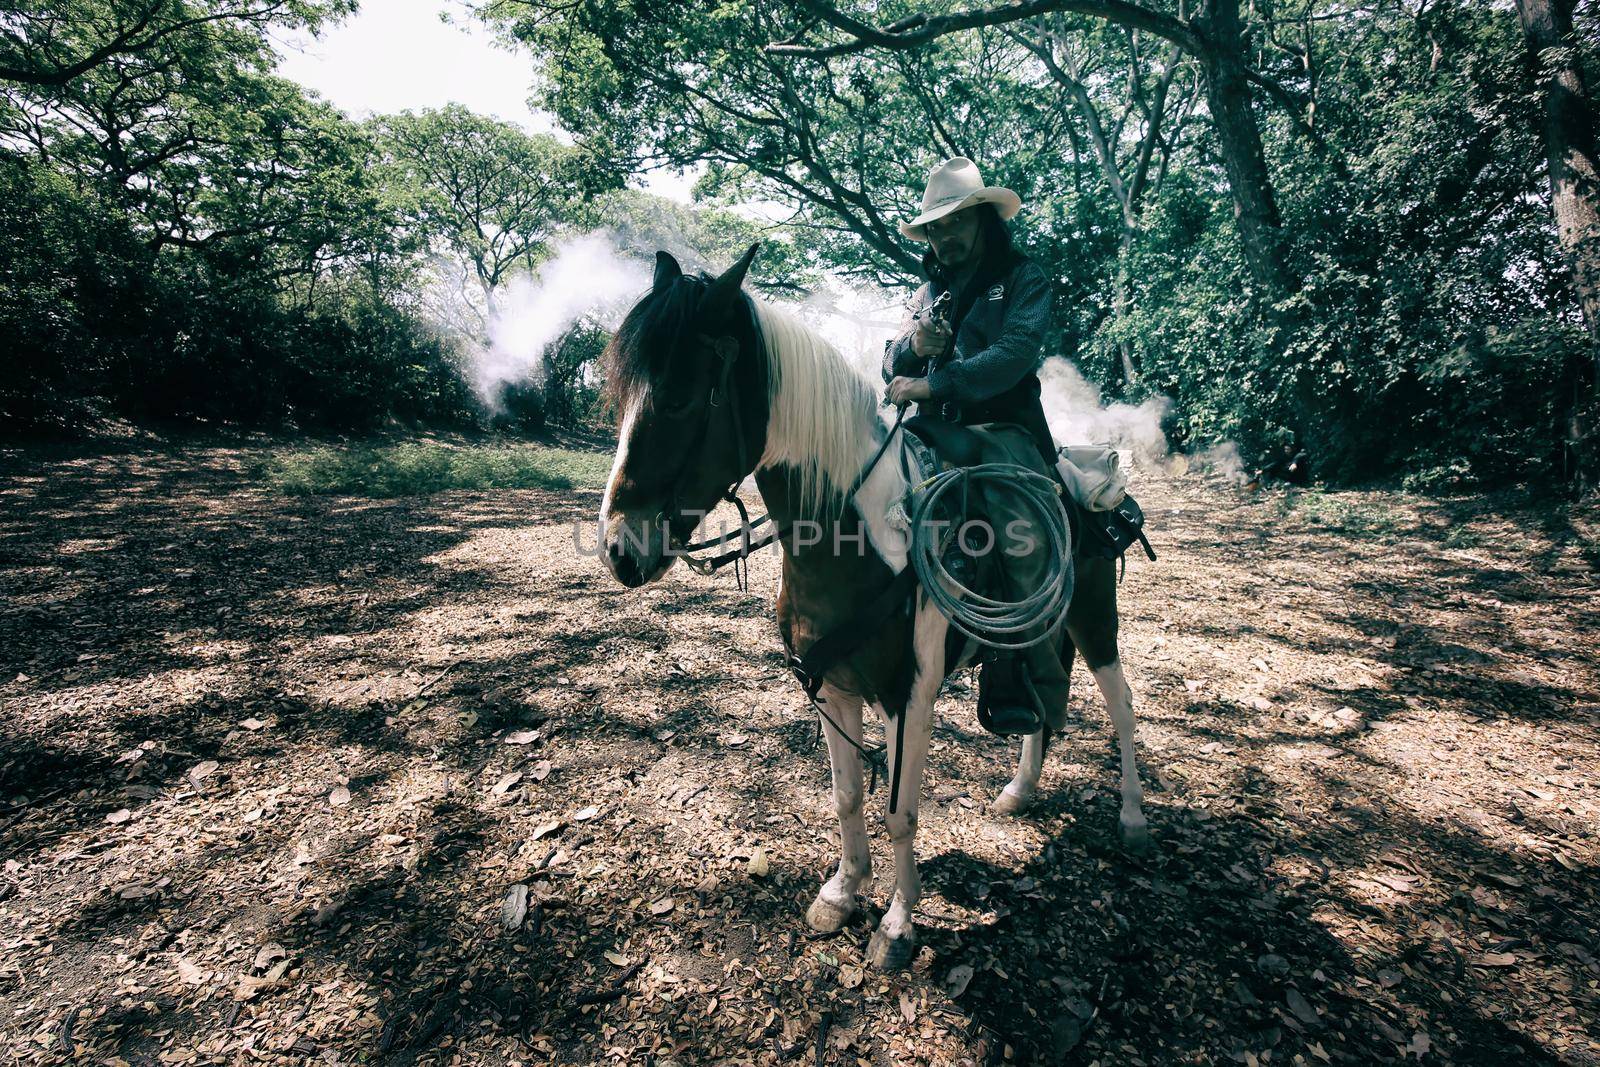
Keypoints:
(1007, 703)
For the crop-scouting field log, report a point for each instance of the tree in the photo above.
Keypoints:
(1574, 175)
(51, 43)
(490, 193)
(1216, 36)
(1080, 64)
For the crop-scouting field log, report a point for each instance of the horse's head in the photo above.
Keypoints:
(685, 372)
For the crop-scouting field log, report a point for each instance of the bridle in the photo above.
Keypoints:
(727, 350)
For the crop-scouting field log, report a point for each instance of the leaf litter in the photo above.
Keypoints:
(1375, 848)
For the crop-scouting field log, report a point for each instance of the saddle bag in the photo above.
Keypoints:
(1109, 534)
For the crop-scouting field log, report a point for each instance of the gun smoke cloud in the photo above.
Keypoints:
(1078, 413)
(592, 277)
(587, 277)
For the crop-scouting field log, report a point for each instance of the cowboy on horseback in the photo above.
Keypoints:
(979, 369)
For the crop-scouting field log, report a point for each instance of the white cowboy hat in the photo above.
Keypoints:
(953, 185)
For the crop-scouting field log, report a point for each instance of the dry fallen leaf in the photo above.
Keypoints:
(616, 959)
(1300, 1006)
(757, 866)
(250, 985)
(190, 973)
(662, 906)
(506, 783)
(121, 815)
(253, 724)
(515, 907)
(339, 797)
(540, 771)
(201, 771)
(522, 737)
(585, 814)
(546, 829)
(267, 954)
(956, 982)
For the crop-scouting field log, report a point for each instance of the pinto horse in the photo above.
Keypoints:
(713, 384)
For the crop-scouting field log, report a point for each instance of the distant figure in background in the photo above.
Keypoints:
(1292, 465)
(980, 370)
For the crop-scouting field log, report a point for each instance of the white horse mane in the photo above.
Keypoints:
(823, 415)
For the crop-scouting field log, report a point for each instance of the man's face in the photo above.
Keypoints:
(955, 237)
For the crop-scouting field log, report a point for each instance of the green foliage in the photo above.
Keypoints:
(430, 467)
(99, 322)
(1428, 325)
(188, 236)
(184, 234)
(484, 191)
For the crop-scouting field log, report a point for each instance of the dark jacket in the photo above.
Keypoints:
(1002, 322)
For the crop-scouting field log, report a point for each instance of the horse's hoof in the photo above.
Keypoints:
(826, 917)
(891, 953)
(1136, 837)
(1009, 803)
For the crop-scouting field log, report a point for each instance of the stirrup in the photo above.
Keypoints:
(1019, 710)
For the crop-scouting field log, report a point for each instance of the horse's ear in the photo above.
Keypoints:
(667, 270)
(720, 297)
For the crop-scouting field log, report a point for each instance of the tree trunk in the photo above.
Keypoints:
(1569, 144)
(1255, 210)
(1574, 192)
(1123, 298)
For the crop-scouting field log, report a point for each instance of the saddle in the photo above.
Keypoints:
(1106, 520)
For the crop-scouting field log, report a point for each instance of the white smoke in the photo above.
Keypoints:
(590, 276)
(1078, 415)
(856, 320)
(1224, 460)
(585, 277)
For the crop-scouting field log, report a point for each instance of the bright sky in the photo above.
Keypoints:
(398, 54)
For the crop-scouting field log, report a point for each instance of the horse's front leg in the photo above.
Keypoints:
(836, 901)
(895, 942)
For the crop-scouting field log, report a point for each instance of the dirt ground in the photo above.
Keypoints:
(338, 780)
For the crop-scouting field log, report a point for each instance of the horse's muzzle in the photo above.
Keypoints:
(636, 549)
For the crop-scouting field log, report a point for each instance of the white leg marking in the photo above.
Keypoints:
(1119, 703)
(1018, 794)
(836, 901)
(895, 942)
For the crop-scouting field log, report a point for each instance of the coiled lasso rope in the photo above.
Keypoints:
(984, 619)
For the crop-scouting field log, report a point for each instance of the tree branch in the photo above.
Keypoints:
(919, 30)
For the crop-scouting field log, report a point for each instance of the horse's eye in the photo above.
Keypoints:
(676, 406)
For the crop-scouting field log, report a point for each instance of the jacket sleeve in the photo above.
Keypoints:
(898, 357)
(1019, 349)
